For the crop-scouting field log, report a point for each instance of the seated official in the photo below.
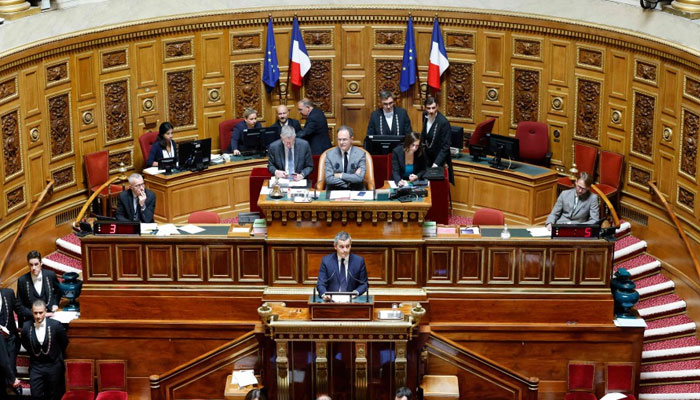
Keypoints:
(250, 121)
(436, 136)
(345, 165)
(577, 205)
(390, 119)
(164, 147)
(289, 157)
(407, 160)
(136, 204)
(284, 120)
(316, 127)
(342, 271)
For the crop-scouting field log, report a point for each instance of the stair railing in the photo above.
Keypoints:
(613, 213)
(97, 192)
(655, 190)
(30, 214)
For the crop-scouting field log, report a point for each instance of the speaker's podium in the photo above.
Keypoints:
(340, 347)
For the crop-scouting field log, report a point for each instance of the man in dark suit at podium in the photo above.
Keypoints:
(342, 271)
(316, 128)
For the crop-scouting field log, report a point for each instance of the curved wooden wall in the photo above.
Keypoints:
(100, 90)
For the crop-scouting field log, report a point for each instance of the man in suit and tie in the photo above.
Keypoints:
(576, 206)
(390, 119)
(345, 165)
(436, 136)
(289, 157)
(316, 128)
(284, 120)
(342, 271)
(9, 347)
(34, 285)
(138, 203)
(45, 340)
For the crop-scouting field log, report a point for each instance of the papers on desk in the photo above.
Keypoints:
(216, 159)
(288, 183)
(191, 229)
(166, 230)
(243, 378)
(539, 231)
(65, 317)
(614, 396)
(153, 171)
(392, 184)
(340, 195)
(148, 228)
(265, 190)
(341, 298)
(363, 195)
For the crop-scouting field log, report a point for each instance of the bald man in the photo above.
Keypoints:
(284, 120)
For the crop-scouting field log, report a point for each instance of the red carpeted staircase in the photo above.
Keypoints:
(671, 354)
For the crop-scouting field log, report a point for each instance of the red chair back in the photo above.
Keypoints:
(586, 158)
(146, 141)
(481, 130)
(203, 217)
(610, 168)
(111, 375)
(255, 182)
(96, 168)
(382, 169)
(580, 376)
(225, 133)
(534, 141)
(619, 377)
(80, 375)
(488, 216)
(314, 173)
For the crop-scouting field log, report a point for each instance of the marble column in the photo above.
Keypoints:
(685, 8)
(13, 9)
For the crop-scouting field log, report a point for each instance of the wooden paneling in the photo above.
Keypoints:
(159, 263)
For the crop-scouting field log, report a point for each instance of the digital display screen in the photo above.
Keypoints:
(576, 231)
(117, 228)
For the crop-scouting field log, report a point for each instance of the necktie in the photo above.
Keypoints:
(345, 165)
(136, 209)
(290, 162)
(343, 278)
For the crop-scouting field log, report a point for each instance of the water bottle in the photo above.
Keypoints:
(505, 234)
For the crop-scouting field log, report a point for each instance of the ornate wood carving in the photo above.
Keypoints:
(387, 74)
(530, 48)
(180, 48)
(8, 88)
(588, 109)
(590, 57)
(686, 197)
(14, 198)
(645, 71)
(318, 37)
(247, 88)
(692, 87)
(319, 86)
(689, 144)
(640, 177)
(643, 132)
(60, 126)
(180, 98)
(11, 144)
(114, 59)
(124, 156)
(246, 41)
(526, 92)
(56, 73)
(459, 40)
(460, 93)
(116, 100)
(389, 37)
(63, 176)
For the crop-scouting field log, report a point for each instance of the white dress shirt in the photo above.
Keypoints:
(346, 266)
(40, 331)
(389, 117)
(38, 282)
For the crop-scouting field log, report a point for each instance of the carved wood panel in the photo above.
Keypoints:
(180, 98)
(15, 198)
(319, 85)
(120, 157)
(57, 73)
(8, 89)
(247, 88)
(114, 59)
(691, 88)
(318, 37)
(439, 265)
(178, 49)
(387, 74)
(60, 134)
(220, 266)
(588, 106)
(250, 262)
(459, 88)
(389, 37)
(244, 42)
(459, 41)
(527, 48)
(643, 125)
(590, 58)
(689, 143)
(12, 144)
(117, 115)
(639, 177)
(645, 71)
(686, 198)
(525, 96)
(63, 177)
(470, 265)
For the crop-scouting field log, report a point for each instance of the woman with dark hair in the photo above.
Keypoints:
(256, 394)
(408, 161)
(164, 147)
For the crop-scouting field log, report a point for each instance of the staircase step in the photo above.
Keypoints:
(685, 391)
(670, 326)
(640, 266)
(627, 247)
(671, 372)
(22, 365)
(654, 285)
(678, 348)
(661, 306)
(69, 244)
(61, 263)
(624, 229)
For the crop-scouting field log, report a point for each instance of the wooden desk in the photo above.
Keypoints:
(321, 218)
(525, 194)
(220, 188)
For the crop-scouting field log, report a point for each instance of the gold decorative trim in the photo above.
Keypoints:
(214, 95)
(492, 94)
(148, 104)
(67, 184)
(34, 134)
(667, 134)
(143, 100)
(557, 103)
(353, 87)
(616, 117)
(88, 117)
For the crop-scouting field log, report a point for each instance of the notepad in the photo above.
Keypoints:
(191, 229)
(340, 195)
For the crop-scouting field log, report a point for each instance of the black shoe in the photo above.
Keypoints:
(17, 390)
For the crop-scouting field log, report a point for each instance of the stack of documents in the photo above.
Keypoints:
(244, 378)
(540, 231)
(429, 229)
(260, 227)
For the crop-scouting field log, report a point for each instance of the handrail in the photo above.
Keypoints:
(30, 214)
(89, 201)
(681, 232)
(607, 202)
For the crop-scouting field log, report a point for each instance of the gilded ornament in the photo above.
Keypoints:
(616, 116)
(147, 104)
(557, 103)
(667, 134)
(353, 87)
(88, 118)
(492, 94)
(34, 134)
(214, 95)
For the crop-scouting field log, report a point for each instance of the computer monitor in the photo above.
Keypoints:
(502, 146)
(255, 141)
(382, 144)
(168, 164)
(457, 137)
(194, 155)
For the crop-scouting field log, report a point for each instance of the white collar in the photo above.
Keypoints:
(37, 278)
(42, 325)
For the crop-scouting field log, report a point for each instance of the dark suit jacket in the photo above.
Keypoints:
(156, 153)
(50, 293)
(291, 121)
(303, 162)
(329, 275)
(125, 207)
(316, 132)
(437, 142)
(377, 123)
(10, 346)
(238, 135)
(55, 343)
(398, 164)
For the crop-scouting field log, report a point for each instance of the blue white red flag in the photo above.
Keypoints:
(299, 57)
(438, 57)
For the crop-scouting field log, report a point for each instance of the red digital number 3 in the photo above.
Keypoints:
(112, 228)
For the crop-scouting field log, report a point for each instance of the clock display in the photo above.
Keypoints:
(117, 228)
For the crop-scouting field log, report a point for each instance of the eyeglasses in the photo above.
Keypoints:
(138, 185)
(388, 103)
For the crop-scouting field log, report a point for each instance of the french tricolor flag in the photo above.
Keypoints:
(438, 57)
(299, 57)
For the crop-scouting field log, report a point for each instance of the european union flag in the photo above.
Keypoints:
(408, 66)
(271, 69)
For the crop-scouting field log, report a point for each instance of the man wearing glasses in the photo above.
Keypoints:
(390, 119)
(138, 203)
(576, 206)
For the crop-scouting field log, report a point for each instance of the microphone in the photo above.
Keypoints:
(357, 280)
(325, 282)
